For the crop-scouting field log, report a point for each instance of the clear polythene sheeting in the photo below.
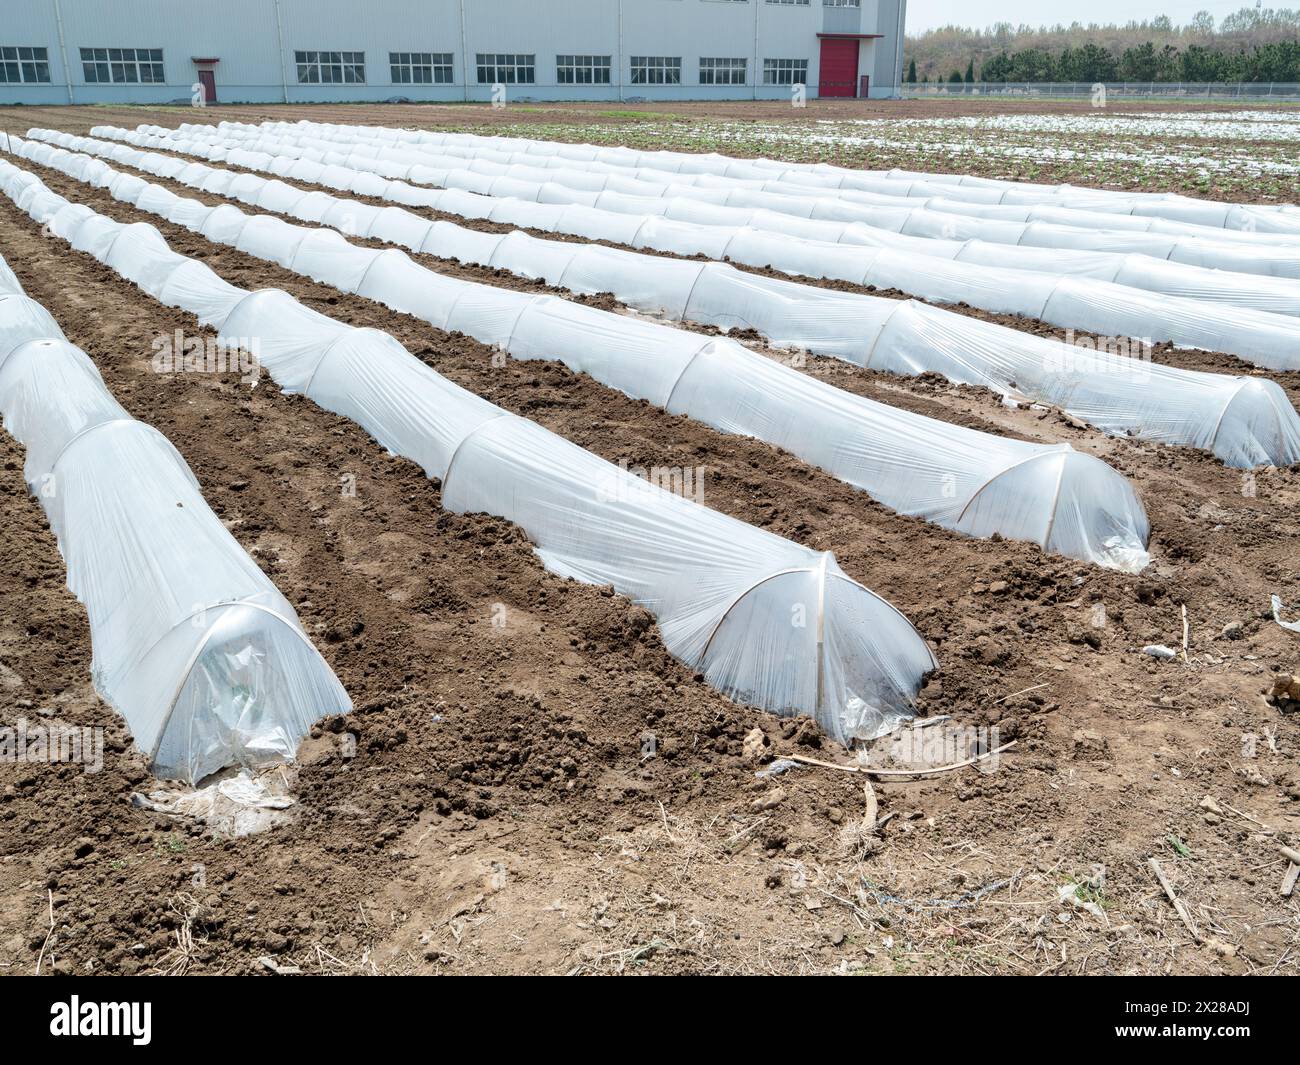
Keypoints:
(1264, 218)
(1244, 426)
(1210, 213)
(960, 193)
(192, 644)
(1073, 302)
(1240, 276)
(1184, 263)
(765, 620)
(1259, 218)
(956, 477)
(800, 194)
(1197, 218)
(8, 280)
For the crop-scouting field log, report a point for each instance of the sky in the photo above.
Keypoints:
(927, 14)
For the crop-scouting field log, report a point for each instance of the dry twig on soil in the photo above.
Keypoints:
(900, 772)
(50, 900)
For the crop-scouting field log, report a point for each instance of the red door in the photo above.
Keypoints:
(839, 72)
(208, 79)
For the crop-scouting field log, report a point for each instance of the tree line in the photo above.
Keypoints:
(1255, 45)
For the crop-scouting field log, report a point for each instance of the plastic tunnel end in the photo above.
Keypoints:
(814, 642)
(250, 692)
(1082, 509)
(1258, 427)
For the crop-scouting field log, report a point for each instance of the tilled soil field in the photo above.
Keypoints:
(500, 813)
(78, 119)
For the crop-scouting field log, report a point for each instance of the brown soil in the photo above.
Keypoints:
(498, 815)
(79, 119)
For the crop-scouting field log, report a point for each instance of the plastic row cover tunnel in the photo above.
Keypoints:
(192, 644)
(1051, 236)
(1047, 240)
(928, 216)
(782, 194)
(973, 482)
(908, 213)
(1244, 421)
(1262, 218)
(1072, 302)
(765, 620)
(1182, 263)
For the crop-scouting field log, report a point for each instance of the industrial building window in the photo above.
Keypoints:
(722, 71)
(331, 68)
(842, 3)
(656, 70)
(24, 64)
(797, 3)
(785, 72)
(495, 68)
(122, 65)
(582, 69)
(420, 68)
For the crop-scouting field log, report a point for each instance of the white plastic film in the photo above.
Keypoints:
(812, 640)
(1186, 305)
(825, 177)
(191, 643)
(1047, 230)
(915, 464)
(1118, 393)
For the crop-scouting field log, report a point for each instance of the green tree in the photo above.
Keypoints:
(1034, 64)
(1202, 64)
(970, 73)
(1240, 40)
(955, 78)
(1277, 61)
(1138, 64)
(1090, 63)
(911, 73)
(997, 69)
(1169, 65)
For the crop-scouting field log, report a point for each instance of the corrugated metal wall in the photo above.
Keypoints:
(255, 42)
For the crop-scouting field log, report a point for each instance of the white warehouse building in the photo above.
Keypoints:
(298, 51)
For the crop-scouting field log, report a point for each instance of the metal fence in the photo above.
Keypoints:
(1132, 90)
